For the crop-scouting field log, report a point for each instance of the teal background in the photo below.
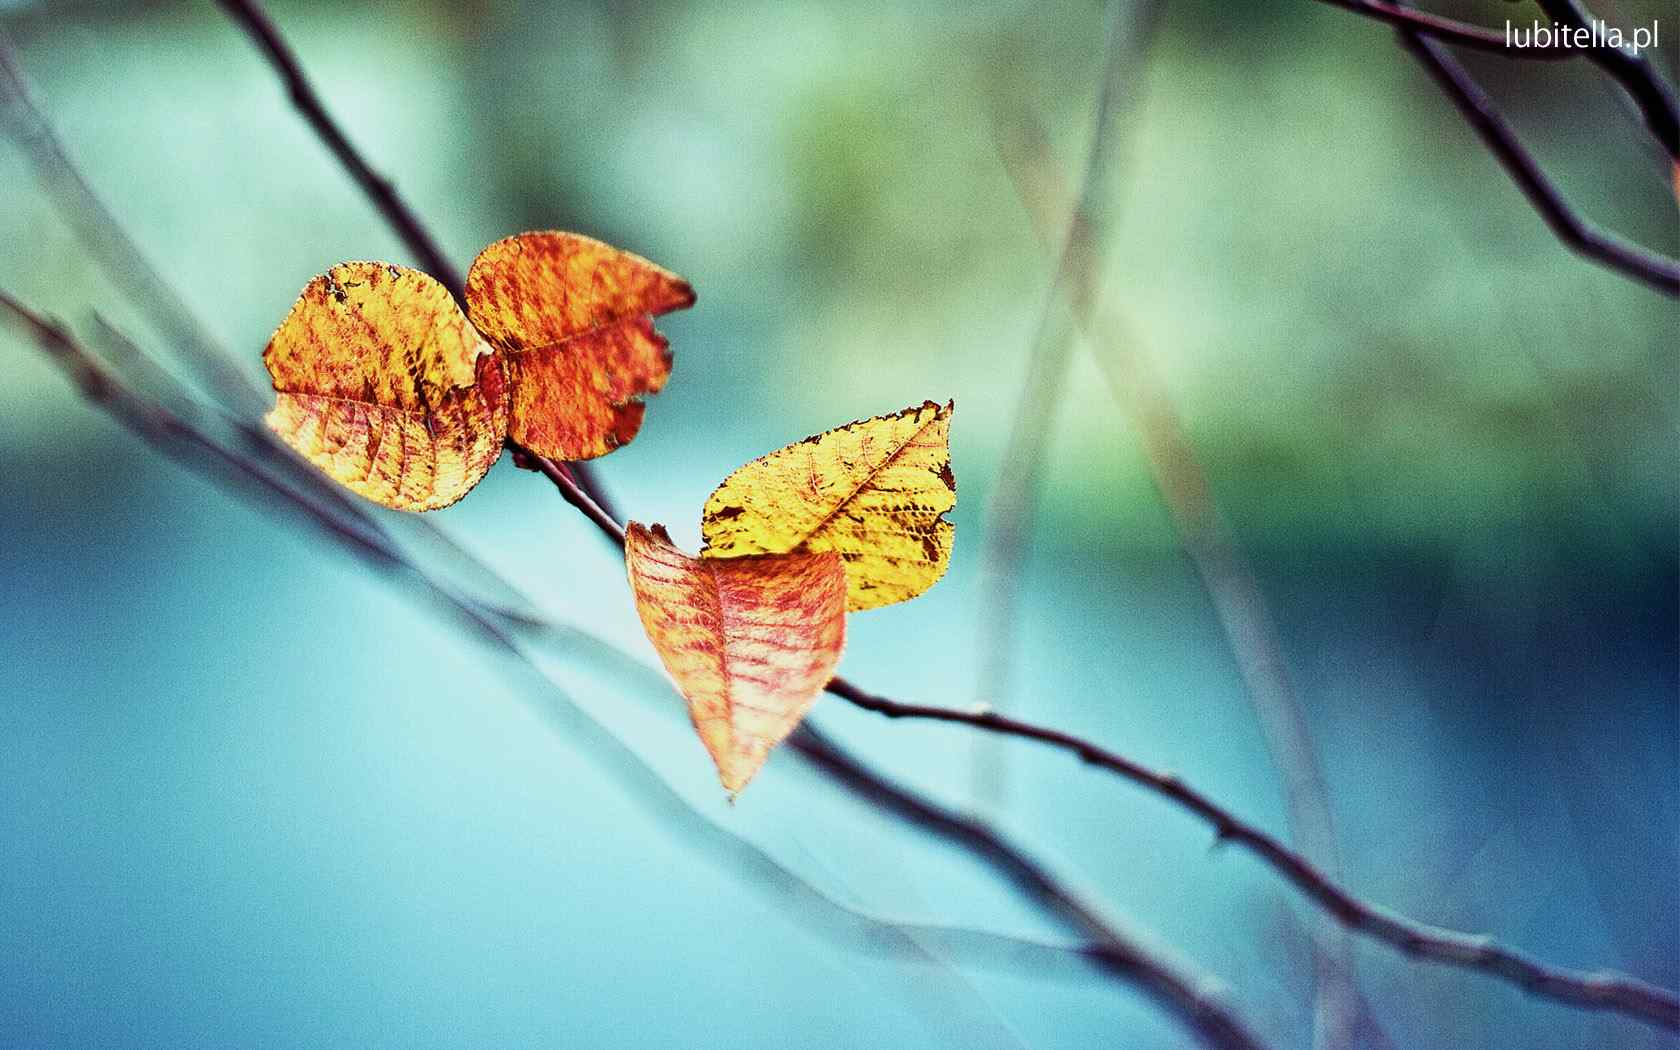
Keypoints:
(251, 794)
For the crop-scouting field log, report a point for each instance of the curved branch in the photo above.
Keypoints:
(1575, 232)
(1449, 30)
(1632, 70)
(1599, 990)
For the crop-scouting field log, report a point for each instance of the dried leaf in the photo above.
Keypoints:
(875, 491)
(750, 641)
(385, 385)
(573, 319)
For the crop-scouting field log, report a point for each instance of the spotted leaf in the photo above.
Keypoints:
(875, 492)
(385, 385)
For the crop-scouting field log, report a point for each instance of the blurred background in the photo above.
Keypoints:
(251, 794)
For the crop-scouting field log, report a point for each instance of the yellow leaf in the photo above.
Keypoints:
(875, 491)
(385, 385)
(573, 319)
(750, 642)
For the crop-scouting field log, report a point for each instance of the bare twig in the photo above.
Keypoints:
(381, 191)
(1633, 71)
(1449, 30)
(1123, 953)
(1603, 990)
(1012, 505)
(1497, 135)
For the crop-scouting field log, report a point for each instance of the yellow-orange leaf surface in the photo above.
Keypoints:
(385, 385)
(874, 491)
(750, 641)
(573, 319)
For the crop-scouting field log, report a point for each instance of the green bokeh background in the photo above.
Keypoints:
(254, 796)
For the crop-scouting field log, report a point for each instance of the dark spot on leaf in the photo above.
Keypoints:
(729, 512)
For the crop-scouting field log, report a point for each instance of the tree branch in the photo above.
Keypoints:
(1603, 990)
(1114, 950)
(1230, 583)
(1449, 30)
(1633, 71)
(381, 191)
(1497, 135)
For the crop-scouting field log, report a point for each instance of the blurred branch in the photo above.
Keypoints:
(1012, 506)
(1226, 576)
(381, 191)
(1113, 950)
(108, 242)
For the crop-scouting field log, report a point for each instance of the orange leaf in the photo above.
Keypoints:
(750, 641)
(574, 320)
(385, 385)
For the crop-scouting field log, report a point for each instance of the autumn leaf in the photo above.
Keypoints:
(385, 385)
(573, 319)
(750, 641)
(874, 491)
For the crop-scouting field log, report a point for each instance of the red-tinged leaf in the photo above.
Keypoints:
(750, 641)
(385, 386)
(573, 319)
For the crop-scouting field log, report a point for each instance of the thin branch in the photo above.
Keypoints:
(1114, 950)
(1632, 70)
(1449, 30)
(1122, 952)
(381, 191)
(378, 189)
(1497, 135)
(1604, 990)
(109, 243)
